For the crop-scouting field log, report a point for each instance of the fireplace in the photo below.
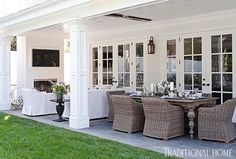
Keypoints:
(44, 85)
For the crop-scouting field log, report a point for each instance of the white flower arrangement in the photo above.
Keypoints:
(162, 87)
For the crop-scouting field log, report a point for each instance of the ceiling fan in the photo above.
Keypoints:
(128, 17)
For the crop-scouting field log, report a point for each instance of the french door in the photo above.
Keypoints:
(102, 65)
(131, 65)
(222, 66)
(121, 63)
(202, 61)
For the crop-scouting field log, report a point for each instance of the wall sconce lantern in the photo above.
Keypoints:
(151, 46)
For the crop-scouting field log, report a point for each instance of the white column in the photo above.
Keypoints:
(79, 75)
(5, 51)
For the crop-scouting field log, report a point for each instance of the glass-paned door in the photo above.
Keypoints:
(193, 63)
(139, 66)
(171, 60)
(95, 66)
(221, 67)
(107, 65)
(124, 65)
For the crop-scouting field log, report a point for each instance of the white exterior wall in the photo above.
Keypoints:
(27, 73)
(155, 65)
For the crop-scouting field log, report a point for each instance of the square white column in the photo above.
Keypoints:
(5, 85)
(79, 75)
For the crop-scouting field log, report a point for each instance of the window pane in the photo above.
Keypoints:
(120, 65)
(188, 64)
(95, 66)
(120, 79)
(227, 96)
(171, 77)
(216, 44)
(104, 79)
(197, 83)
(120, 51)
(95, 79)
(139, 64)
(126, 51)
(171, 47)
(227, 82)
(139, 80)
(104, 65)
(227, 43)
(110, 78)
(188, 81)
(187, 46)
(216, 82)
(110, 52)
(197, 64)
(171, 64)
(215, 63)
(227, 63)
(110, 64)
(139, 50)
(126, 65)
(197, 45)
(126, 80)
(95, 53)
(217, 95)
(104, 52)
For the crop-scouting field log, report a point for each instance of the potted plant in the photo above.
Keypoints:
(59, 90)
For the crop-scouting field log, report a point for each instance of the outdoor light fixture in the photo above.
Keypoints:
(151, 46)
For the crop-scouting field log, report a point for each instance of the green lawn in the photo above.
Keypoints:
(27, 139)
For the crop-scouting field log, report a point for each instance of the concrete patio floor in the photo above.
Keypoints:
(102, 128)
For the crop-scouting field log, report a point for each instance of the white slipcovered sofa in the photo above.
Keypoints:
(37, 103)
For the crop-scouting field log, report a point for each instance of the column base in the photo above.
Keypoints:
(5, 105)
(79, 122)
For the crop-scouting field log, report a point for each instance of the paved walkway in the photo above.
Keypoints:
(102, 128)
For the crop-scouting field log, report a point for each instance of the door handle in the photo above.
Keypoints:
(203, 84)
(208, 84)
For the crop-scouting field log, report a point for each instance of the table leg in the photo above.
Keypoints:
(191, 116)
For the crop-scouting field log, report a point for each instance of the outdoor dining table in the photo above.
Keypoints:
(190, 105)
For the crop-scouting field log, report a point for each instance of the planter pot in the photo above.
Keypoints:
(60, 97)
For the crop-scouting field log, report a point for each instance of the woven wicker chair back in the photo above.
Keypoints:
(110, 93)
(123, 104)
(156, 107)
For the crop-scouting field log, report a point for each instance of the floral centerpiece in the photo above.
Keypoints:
(59, 89)
(162, 88)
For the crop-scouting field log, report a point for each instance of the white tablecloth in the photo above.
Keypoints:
(97, 104)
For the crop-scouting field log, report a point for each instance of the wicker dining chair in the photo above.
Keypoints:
(129, 115)
(111, 109)
(162, 120)
(215, 123)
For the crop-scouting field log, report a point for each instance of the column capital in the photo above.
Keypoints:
(77, 24)
(6, 39)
